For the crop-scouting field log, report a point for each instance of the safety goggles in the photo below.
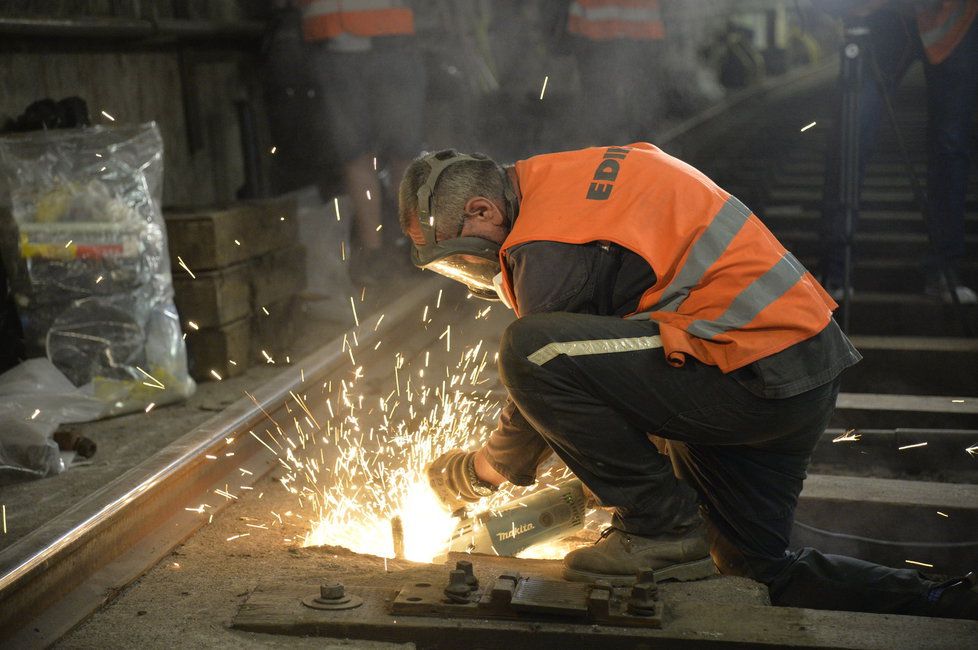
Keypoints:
(473, 261)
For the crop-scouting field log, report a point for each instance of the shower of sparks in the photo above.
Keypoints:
(848, 436)
(108, 117)
(917, 444)
(354, 456)
(807, 126)
(544, 89)
(186, 268)
(972, 450)
(923, 564)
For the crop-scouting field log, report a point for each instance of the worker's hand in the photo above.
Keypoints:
(448, 476)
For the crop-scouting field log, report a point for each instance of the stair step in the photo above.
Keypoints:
(881, 410)
(890, 521)
(910, 365)
(867, 244)
(894, 275)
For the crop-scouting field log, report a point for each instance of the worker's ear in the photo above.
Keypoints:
(480, 208)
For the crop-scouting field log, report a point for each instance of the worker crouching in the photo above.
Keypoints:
(651, 302)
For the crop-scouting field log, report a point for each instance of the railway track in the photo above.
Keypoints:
(61, 573)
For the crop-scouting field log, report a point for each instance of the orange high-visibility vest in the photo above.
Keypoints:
(608, 19)
(943, 24)
(322, 19)
(726, 291)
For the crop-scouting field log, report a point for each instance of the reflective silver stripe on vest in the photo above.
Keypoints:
(597, 346)
(322, 7)
(609, 13)
(725, 225)
(932, 36)
(752, 300)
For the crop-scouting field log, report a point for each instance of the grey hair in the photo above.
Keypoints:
(457, 184)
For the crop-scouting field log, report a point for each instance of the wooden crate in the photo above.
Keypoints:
(225, 295)
(214, 348)
(243, 341)
(210, 239)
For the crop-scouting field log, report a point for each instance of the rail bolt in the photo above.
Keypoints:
(331, 591)
(466, 567)
(457, 589)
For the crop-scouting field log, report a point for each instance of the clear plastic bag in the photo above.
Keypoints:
(85, 247)
(35, 398)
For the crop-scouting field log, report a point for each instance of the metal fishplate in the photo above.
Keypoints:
(512, 596)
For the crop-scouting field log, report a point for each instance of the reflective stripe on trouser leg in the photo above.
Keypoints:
(598, 346)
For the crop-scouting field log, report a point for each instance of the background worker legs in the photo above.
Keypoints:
(374, 104)
(894, 46)
(952, 96)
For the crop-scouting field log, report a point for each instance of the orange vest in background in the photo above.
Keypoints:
(943, 24)
(607, 19)
(726, 291)
(323, 19)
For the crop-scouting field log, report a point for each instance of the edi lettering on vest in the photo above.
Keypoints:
(606, 173)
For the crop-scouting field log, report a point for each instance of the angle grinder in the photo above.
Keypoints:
(543, 516)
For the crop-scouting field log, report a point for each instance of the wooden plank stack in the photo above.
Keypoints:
(247, 267)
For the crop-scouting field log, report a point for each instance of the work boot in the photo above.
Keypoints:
(618, 556)
(955, 598)
(936, 286)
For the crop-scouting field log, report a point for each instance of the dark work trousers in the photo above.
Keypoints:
(594, 386)
(952, 94)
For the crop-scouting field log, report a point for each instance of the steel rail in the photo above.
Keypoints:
(59, 574)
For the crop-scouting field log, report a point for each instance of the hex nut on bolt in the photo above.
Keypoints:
(457, 590)
(466, 567)
(641, 601)
(332, 596)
